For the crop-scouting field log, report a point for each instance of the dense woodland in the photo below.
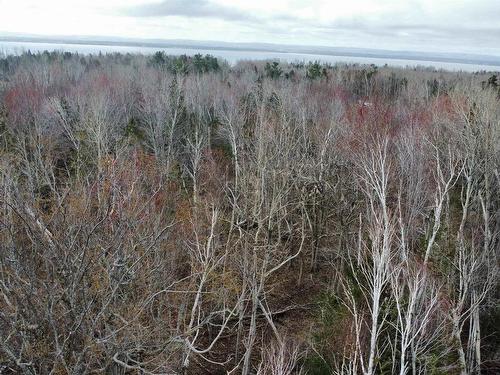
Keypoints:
(178, 215)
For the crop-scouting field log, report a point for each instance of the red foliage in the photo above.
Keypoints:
(22, 102)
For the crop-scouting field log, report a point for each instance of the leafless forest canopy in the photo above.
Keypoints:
(177, 215)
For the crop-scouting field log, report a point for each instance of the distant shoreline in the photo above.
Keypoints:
(468, 59)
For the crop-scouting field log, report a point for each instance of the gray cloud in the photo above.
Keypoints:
(191, 9)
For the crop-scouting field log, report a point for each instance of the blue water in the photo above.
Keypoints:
(233, 56)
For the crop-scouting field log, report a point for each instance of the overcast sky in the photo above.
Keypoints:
(424, 25)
